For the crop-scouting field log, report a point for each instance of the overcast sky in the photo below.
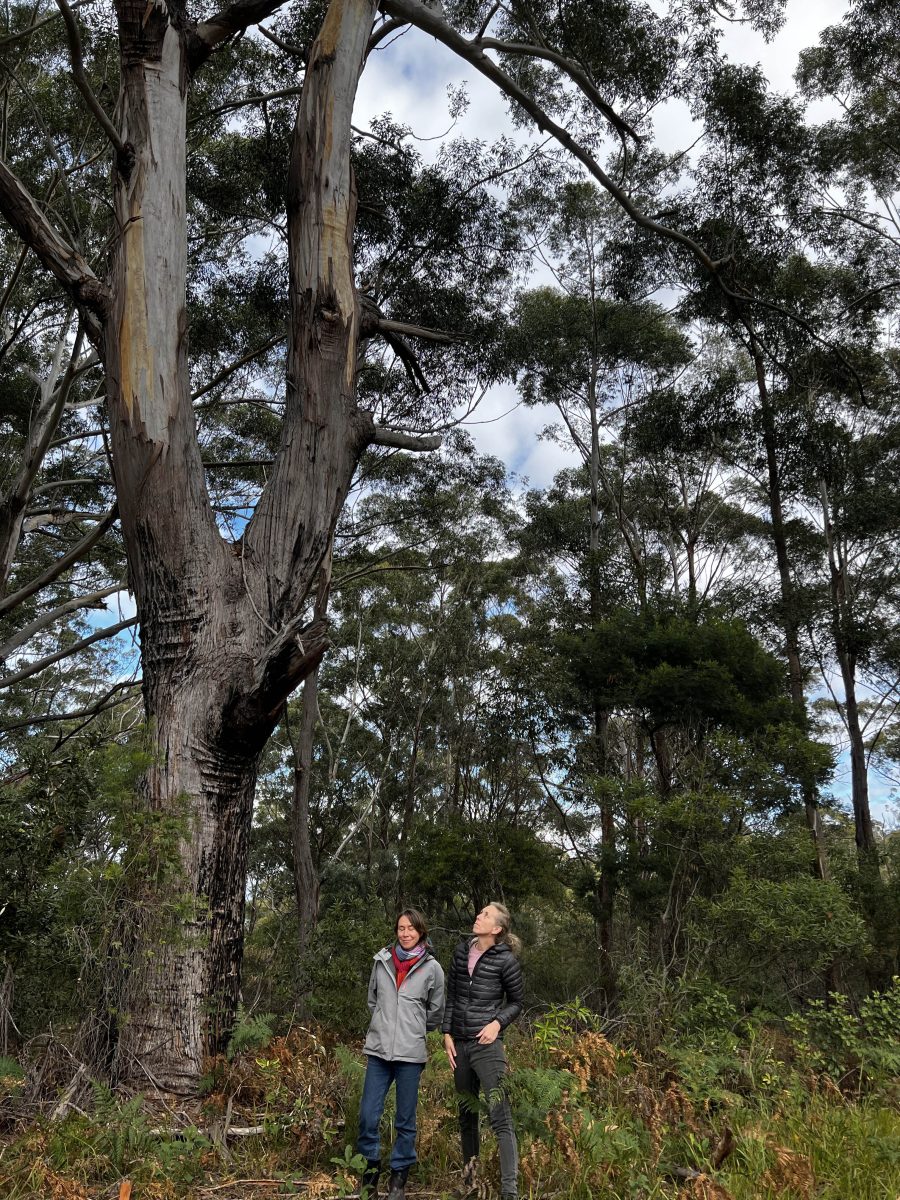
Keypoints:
(410, 78)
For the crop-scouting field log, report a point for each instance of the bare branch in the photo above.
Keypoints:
(232, 105)
(574, 72)
(124, 151)
(417, 331)
(372, 321)
(296, 51)
(488, 17)
(78, 551)
(404, 441)
(41, 664)
(24, 635)
(228, 371)
(227, 24)
(53, 485)
(384, 30)
(41, 518)
(102, 705)
(379, 568)
(65, 264)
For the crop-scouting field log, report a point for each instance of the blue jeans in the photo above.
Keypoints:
(380, 1074)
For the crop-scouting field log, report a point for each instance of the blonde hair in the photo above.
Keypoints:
(504, 921)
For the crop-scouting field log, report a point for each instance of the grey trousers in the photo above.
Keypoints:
(484, 1067)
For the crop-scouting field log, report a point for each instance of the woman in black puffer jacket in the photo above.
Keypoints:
(484, 996)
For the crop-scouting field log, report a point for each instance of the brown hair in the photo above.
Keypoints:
(415, 918)
(504, 921)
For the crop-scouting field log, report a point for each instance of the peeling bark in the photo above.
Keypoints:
(224, 636)
(323, 432)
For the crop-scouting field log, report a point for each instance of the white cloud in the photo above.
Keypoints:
(409, 78)
(778, 58)
(120, 606)
(509, 430)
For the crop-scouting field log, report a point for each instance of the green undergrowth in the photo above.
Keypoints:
(727, 1108)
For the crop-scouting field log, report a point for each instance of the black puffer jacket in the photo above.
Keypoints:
(493, 993)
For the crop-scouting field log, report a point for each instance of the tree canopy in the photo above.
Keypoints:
(278, 642)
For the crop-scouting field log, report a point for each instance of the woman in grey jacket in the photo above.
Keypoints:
(406, 1000)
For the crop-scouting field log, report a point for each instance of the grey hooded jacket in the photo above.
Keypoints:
(401, 1017)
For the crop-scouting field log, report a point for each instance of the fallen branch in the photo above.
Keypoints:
(67, 1099)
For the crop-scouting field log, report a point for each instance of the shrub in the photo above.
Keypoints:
(863, 1048)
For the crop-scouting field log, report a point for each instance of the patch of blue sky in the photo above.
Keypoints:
(883, 792)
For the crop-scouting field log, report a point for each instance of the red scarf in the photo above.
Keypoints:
(401, 966)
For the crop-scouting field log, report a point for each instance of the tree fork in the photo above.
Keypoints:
(224, 638)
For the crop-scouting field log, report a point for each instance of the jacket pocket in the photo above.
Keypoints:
(411, 1012)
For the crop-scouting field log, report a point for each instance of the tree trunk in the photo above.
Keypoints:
(606, 895)
(661, 746)
(306, 872)
(841, 620)
(223, 634)
(789, 623)
(609, 865)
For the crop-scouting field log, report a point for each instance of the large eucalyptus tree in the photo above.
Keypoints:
(225, 628)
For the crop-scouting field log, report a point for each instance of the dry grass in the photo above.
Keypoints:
(619, 1128)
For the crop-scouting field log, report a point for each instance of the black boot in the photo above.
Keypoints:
(397, 1185)
(369, 1183)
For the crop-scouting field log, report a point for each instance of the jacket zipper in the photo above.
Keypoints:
(472, 976)
(388, 966)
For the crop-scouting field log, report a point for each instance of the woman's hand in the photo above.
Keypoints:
(489, 1034)
(450, 1047)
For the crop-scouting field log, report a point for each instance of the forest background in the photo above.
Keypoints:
(283, 649)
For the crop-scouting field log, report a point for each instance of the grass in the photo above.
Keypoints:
(714, 1120)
